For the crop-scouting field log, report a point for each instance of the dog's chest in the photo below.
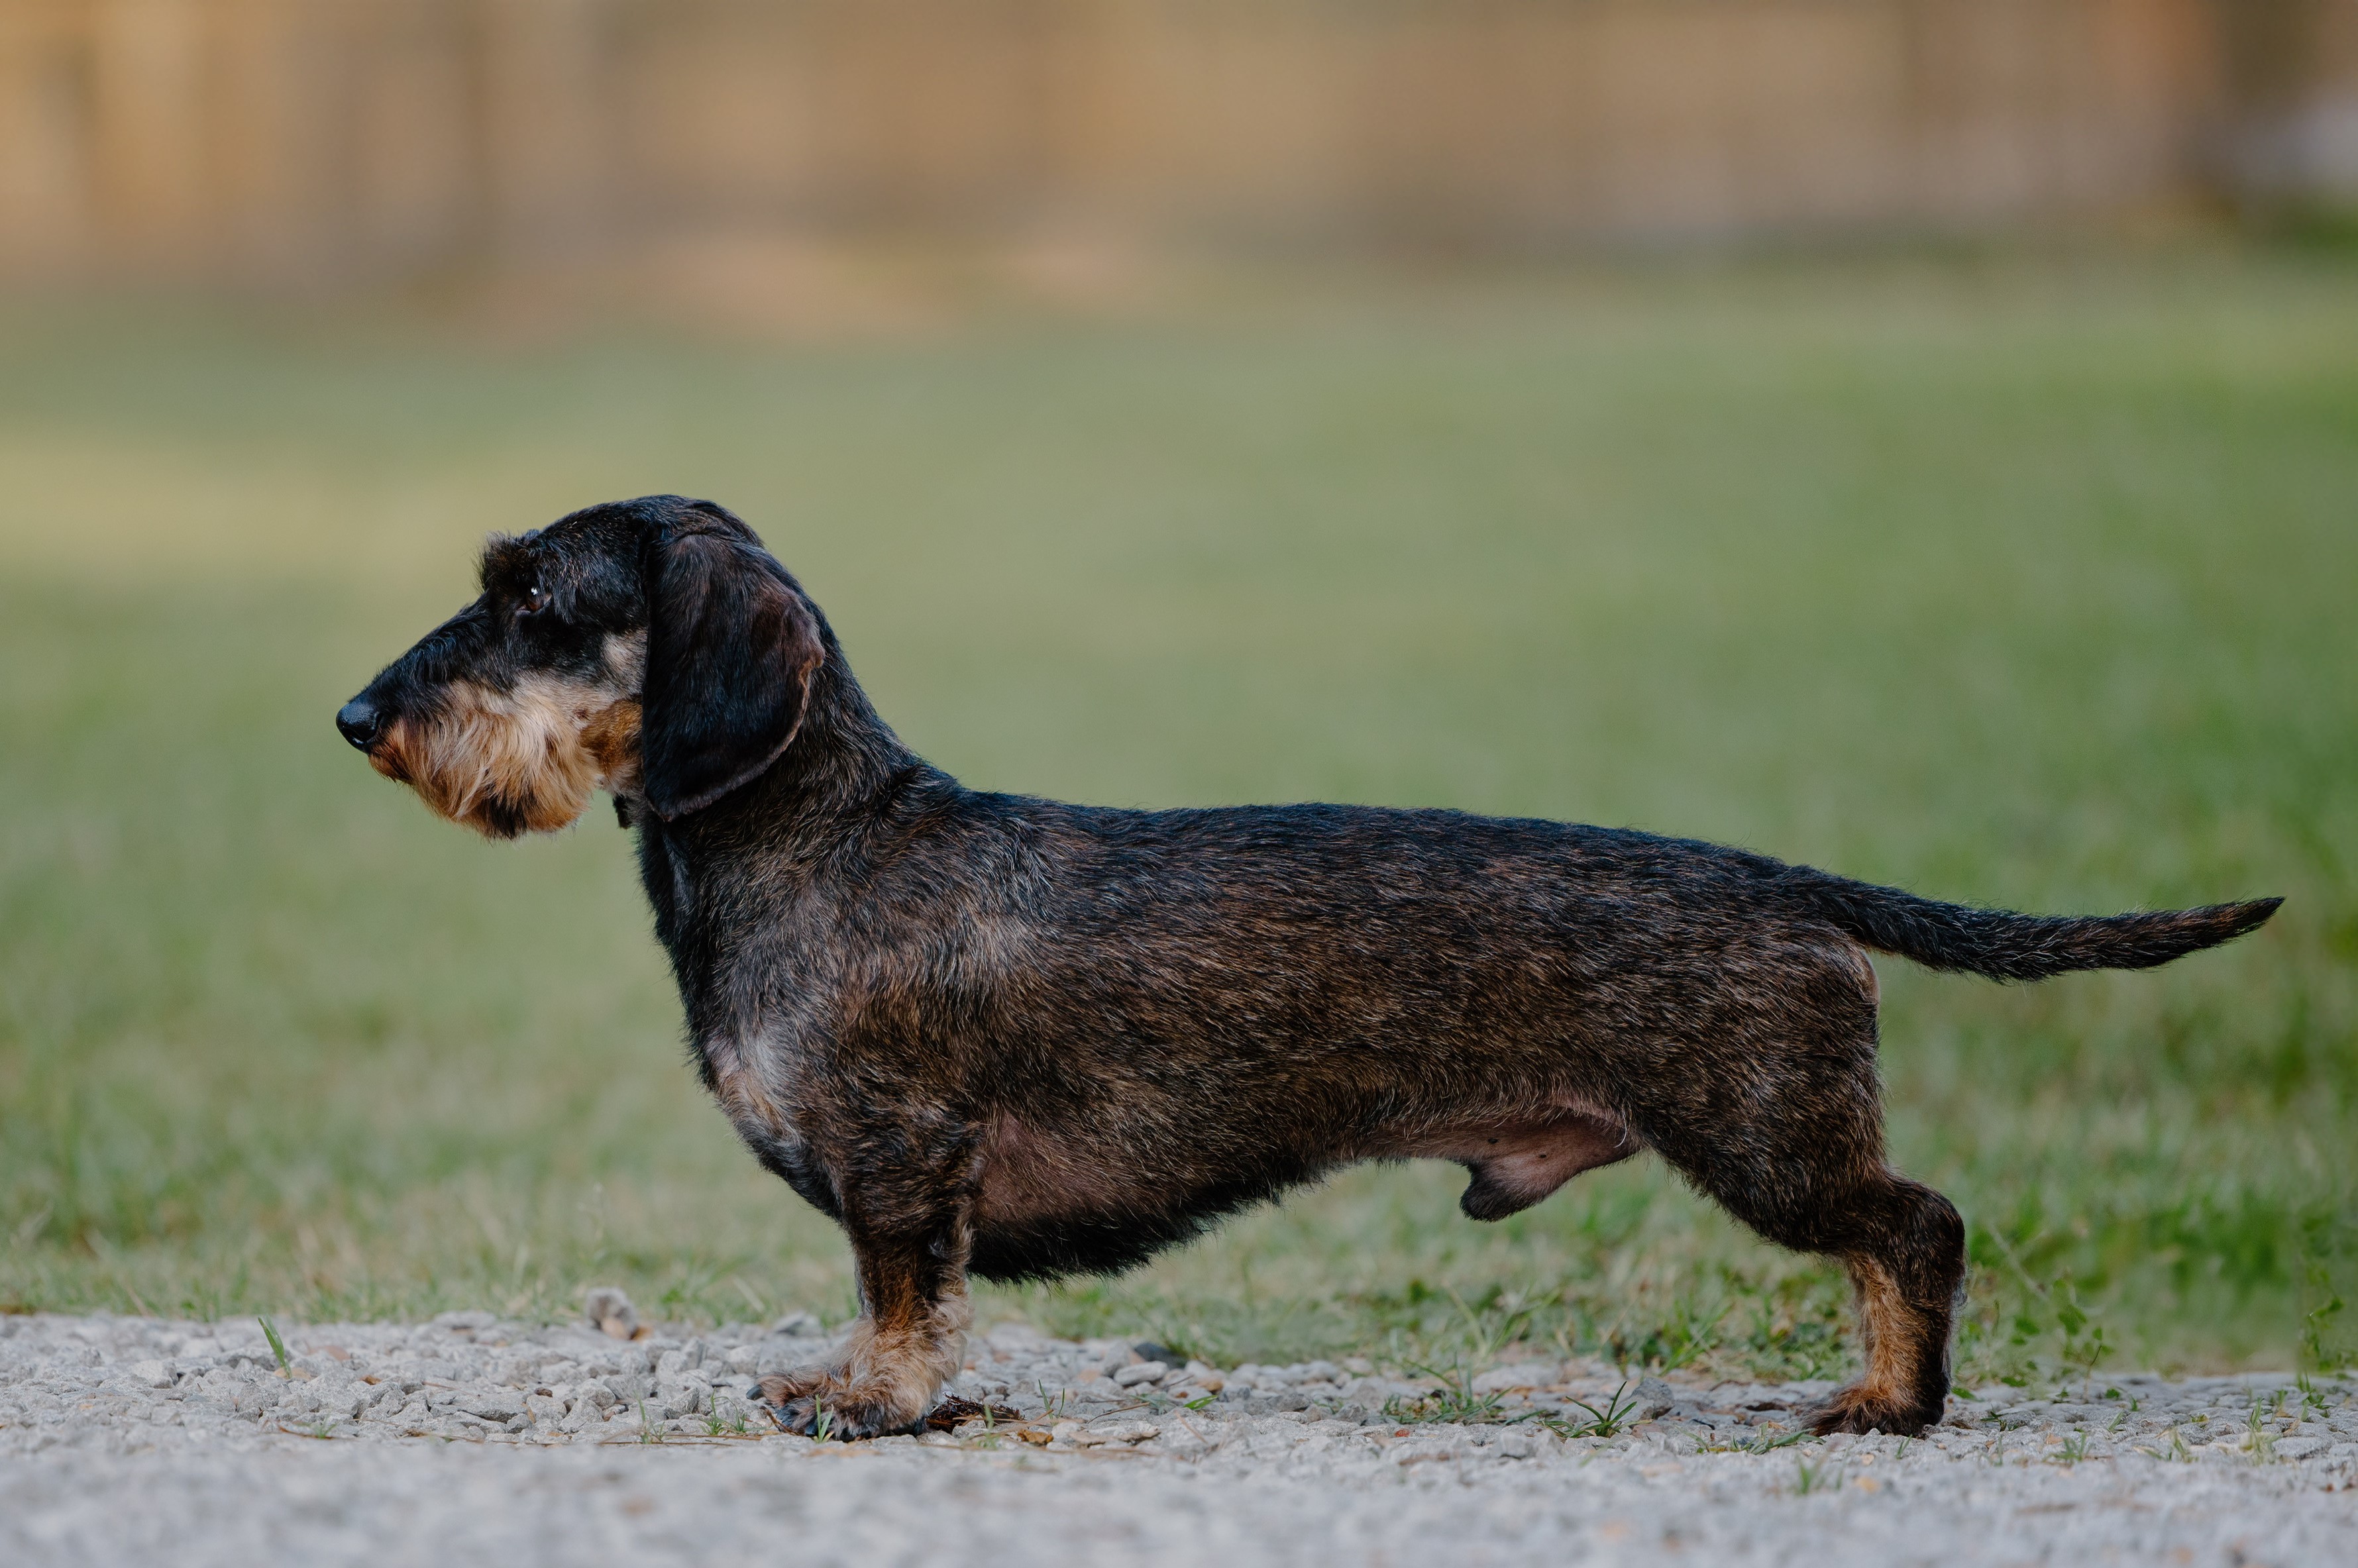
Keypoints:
(751, 1077)
(754, 1084)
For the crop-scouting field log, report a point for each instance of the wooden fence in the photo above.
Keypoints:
(193, 139)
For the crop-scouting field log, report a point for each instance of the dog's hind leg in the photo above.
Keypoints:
(1907, 1263)
(1789, 1138)
(1903, 1245)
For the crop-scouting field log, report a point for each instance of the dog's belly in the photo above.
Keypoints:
(1516, 1161)
(1030, 1177)
(1053, 1199)
(1033, 1183)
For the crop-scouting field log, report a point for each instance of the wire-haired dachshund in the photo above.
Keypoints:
(997, 1035)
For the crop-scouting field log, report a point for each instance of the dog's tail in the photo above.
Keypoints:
(2008, 946)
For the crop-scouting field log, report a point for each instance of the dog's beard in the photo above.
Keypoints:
(522, 760)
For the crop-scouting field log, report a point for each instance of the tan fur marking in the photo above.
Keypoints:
(611, 738)
(903, 1361)
(889, 1368)
(529, 757)
(1893, 1334)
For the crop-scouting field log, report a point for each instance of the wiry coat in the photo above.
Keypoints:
(991, 1032)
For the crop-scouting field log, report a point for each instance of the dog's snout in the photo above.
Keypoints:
(360, 722)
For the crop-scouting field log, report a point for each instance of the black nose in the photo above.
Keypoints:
(360, 722)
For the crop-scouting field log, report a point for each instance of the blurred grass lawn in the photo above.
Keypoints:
(2035, 587)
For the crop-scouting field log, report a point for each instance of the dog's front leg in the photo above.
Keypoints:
(909, 1341)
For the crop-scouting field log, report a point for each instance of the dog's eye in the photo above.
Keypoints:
(536, 599)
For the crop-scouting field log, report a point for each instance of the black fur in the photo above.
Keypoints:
(2003, 945)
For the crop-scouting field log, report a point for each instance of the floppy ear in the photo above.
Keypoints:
(732, 647)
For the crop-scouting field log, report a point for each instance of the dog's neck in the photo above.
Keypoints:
(805, 808)
(843, 756)
(842, 760)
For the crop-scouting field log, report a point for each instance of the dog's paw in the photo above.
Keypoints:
(1857, 1410)
(844, 1416)
(816, 1404)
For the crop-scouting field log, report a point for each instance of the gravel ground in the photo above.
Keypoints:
(472, 1440)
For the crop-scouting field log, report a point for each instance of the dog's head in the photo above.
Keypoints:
(648, 647)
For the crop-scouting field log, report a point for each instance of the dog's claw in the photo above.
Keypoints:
(797, 1418)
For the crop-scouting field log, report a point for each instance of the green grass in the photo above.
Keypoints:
(2032, 586)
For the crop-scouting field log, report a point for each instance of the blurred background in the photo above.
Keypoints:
(1914, 437)
(317, 142)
